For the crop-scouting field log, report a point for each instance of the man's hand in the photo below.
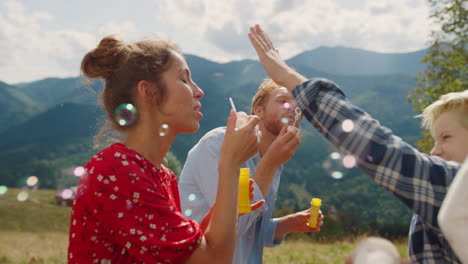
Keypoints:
(274, 65)
(283, 147)
(300, 219)
(297, 223)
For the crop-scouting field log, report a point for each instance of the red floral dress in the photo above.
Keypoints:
(128, 211)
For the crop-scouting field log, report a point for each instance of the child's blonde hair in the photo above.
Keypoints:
(455, 100)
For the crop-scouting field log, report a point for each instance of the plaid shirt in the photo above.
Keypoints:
(419, 180)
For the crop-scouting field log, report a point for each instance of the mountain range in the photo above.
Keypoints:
(48, 125)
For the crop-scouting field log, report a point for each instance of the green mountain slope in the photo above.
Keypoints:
(16, 106)
(61, 137)
(350, 61)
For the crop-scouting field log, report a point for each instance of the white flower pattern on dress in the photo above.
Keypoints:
(153, 219)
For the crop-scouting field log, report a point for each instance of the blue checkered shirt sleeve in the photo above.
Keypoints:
(419, 180)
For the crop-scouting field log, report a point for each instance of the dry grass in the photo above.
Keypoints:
(37, 214)
(36, 232)
(304, 252)
(33, 248)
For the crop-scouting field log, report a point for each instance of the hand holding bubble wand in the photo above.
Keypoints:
(241, 116)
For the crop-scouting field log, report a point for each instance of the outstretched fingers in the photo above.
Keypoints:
(259, 48)
(260, 40)
(264, 37)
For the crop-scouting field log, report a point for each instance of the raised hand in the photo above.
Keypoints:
(239, 143)
(274, 65)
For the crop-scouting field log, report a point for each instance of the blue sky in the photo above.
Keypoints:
(48, 38)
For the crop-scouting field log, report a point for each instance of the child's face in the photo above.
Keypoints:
(450, 137)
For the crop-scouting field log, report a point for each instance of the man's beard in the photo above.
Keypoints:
(273, 126)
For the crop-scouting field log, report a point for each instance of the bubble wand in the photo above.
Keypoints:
(232, 104)
(298, 113)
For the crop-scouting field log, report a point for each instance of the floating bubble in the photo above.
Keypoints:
(285, 120)
(349, 161)
(3, 189)
(31, 181)
(164, 130)
(335, 155)
(188, 212)
(337, 175)
(79, 171)
(125, 114)
(192, 197)
(336, 166)
(22, 196)
(67, 194)
(347, 125)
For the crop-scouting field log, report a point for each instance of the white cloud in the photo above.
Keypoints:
(126, 29)
(383, 26)
(42, 41)
(33, 54)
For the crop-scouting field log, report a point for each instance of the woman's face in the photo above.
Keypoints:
(180, 109)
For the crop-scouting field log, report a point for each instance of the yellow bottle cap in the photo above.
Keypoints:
(316, 202)
(244, 171)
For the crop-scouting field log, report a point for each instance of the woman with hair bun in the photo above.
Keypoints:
(127, 208)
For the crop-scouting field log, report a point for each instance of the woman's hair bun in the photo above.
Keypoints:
(105, 58)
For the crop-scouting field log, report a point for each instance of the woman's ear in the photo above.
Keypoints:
(146, 91)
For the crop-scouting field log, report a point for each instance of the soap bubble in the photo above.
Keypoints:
(3, 189)
(336, 165)
(347, 125)
(192, 197)
(188, 212)
(337, 175)
(79, 171)
(125, 114)
(335, 155)
(31, 181)
(349, 161)
(164, 130)
(22, 196)
(66, 194)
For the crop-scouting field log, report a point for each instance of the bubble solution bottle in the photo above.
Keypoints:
(244, 191)
(315, 204)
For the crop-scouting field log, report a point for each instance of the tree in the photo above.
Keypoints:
(173, 163)
(447, 58)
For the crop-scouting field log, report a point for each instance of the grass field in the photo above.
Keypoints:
(36, 232)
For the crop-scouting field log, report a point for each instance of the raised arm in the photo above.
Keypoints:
(418, 179)
(271, 60)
